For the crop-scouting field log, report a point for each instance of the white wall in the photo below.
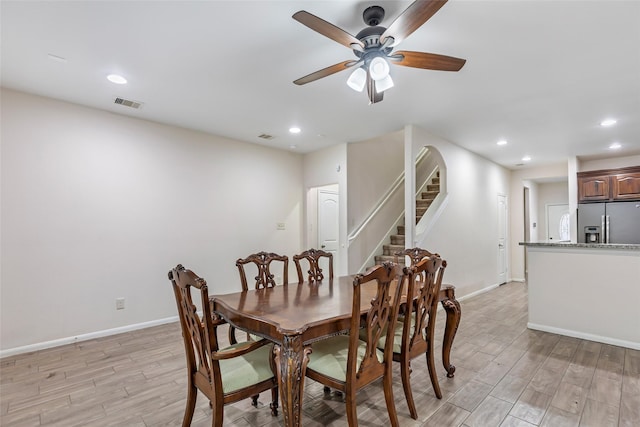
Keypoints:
(97, 206)
(374, 166)
(550, 193)
(325, 167)
(609, 163)
(516, 209)
(466, 232)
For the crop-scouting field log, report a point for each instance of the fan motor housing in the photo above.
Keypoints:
(370, 37)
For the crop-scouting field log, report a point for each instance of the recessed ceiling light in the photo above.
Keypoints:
(117, 79)
(293, 147)
(502, 142)
(294, 130)
(608, 122)
(526, 158)
(615, 146)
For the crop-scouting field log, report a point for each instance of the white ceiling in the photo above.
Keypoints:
(541, 74)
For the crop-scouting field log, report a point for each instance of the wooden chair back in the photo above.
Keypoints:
(262, 261)
(379, 320)
(313, 257)
(424, 279)
(430, 270)
(415, 255)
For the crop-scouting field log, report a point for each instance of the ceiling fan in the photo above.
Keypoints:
(374, 45)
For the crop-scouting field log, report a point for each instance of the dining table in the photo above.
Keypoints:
(294, 316)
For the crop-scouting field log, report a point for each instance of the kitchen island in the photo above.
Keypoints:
(585, 290)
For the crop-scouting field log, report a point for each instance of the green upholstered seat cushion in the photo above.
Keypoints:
(246, 370)
(397, 336)
(329, 357)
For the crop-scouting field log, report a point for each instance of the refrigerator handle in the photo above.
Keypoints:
(607, 232)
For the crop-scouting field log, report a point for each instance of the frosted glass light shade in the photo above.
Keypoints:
(379, 68)
(357, 79)
(384, 84)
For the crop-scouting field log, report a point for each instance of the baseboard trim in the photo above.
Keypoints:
(84, 337)
(478, 292)
(584, 336)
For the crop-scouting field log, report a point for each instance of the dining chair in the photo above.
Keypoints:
(224, 375)
(347, 363)
(262, 262)
(313, 258)
(260, 265)
(414, 330)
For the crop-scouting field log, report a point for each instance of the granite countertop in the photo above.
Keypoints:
(627, 246)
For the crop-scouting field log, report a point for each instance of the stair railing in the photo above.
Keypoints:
(379, 206)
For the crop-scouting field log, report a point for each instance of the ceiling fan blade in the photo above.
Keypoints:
(411, 19)
(374, 96)
(325, 72)
(429, 61)
(327, 29)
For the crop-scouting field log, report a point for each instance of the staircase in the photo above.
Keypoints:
(397, 241)
(427, 197)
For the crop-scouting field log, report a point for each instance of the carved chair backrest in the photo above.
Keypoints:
(199, 333)
(430, 270)
(415, 255)
(262, 261)
(380, 319)
(313, 258)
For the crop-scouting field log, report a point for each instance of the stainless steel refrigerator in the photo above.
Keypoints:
(613, 222)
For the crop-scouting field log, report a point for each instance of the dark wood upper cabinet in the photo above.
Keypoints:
(626, 186)
(609, 185)
(594, 188)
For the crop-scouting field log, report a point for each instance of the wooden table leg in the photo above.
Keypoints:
(291, 361)
(452, 307)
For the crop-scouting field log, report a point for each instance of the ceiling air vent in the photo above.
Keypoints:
(128, 103)
(265, 136)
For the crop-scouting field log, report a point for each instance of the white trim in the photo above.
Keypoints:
(478, 292)
(85, 337)
(584, 336)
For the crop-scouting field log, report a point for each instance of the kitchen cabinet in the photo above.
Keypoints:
(626, 186)
(593, 188)
(609, 185)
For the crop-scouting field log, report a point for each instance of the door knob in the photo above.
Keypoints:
(322, 246)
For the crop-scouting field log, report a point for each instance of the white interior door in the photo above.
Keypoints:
(328, 224)
(502, 239)
(558, 226)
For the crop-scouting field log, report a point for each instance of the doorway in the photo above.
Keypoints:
(558, 223)
(527, 229)
(502, 239)
(326, 219)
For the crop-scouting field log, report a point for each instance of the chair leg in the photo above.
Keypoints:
(274, 401)
(217, 415)
(352, 414)
(254, 400)
(405, 373)
(192, 394)
(431, 364)
(388, 397)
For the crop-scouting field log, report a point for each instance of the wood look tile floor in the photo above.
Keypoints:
(506, 375)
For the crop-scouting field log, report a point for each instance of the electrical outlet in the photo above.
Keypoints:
(119, 303)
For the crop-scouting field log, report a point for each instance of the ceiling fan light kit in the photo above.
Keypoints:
(357, 79)
(373, 47)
